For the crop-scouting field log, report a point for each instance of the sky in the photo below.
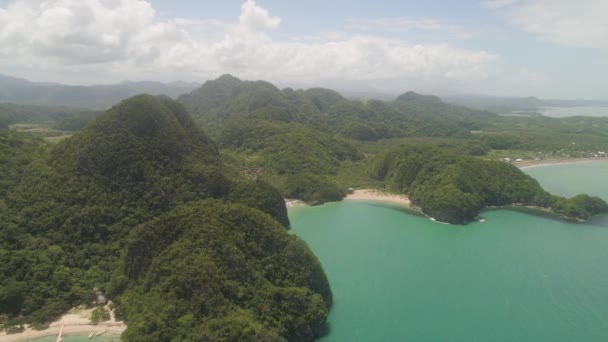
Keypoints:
(544, 48)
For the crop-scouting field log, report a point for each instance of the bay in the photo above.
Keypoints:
(516, 277)
(562, 112)
(571, 179)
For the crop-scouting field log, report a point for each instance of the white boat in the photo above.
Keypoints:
(101, 332)
(91, 335)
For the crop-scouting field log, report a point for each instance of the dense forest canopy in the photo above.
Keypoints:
(139, 192)
(293, 136)
(411, 114)
(71, 119)
(290, 137)
(454, 188)
(187, 235)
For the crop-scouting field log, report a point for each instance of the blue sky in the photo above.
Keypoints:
(546, 48)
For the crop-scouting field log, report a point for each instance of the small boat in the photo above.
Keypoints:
(101, 332)
(482, 220)
(91, 335)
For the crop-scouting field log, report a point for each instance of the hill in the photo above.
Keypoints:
(140, 205)
(295, 138)
(218, 101)
(454, 188)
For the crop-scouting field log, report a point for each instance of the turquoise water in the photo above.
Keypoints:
(572, 179)
(516, 277)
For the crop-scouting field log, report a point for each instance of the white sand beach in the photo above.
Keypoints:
(290, 203)
(377, 195)
(76, 321)
(534, 163)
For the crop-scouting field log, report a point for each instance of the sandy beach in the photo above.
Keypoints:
(533, 163)
(290, 203)
(377, 195)
(76, 321)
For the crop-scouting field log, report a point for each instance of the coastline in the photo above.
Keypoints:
(548, 162)
(75, 322)
(291, 203)
(377, 195)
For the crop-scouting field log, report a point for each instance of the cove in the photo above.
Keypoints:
(516, 277)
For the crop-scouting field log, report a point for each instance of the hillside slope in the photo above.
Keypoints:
(454, 188)
(140, 205)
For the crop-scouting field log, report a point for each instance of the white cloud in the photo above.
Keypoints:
(106, 40)
(404, 24)
(582, 23)
(82, 32)
(496, 4)
(256, 18)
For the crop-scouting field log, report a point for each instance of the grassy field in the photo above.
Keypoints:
(42, 130)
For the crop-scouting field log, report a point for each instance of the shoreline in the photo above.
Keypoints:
(75, 322)
(526, 164)
(291, 203)
(378, 195)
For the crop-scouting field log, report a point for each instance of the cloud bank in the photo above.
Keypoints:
(107, 40)
(581, 23)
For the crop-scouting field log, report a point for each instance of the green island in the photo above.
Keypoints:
(175, 209)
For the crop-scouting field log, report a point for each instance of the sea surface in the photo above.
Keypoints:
(517, 276)
(590, 177)
(562, 112)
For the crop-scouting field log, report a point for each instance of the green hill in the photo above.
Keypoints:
(295, 138)
(454, 188)
(140, 205)
(411, 114)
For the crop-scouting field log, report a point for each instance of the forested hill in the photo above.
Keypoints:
(299, 139)
(454, 188)
(218, 101)
(140, 205)
(67, 118)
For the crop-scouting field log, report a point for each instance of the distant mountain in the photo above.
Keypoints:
(21, 91)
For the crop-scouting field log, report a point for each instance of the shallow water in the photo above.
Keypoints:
(562, 112)
(516, 277)
(571, 179)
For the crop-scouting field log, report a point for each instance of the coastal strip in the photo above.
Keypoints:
(548, 162)
(75, 322)
(290, 203)
(377, 195)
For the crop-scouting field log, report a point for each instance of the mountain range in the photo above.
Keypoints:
(21, 91)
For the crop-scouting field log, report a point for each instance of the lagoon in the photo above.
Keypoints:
(397, 276)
